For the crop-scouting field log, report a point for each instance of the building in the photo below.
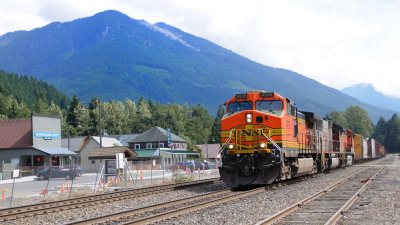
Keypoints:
(74, 144)
(33, 142)
(154, 144)
(123, 138)
(90, 145)
(100, 154)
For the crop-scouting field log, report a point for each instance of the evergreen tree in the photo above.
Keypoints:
(380, 130)
(215, 136)
(72, 113)
(392, 138)
(41, 105)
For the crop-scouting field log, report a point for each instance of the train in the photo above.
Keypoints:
(264, 138)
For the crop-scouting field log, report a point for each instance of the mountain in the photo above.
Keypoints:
(367, 93)
(26, 89)
(116, 57)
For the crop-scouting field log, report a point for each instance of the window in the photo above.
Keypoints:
(239, 106)
(269, 105)
(288, 108)
(148, 145)
(161, 145)
(137, 146)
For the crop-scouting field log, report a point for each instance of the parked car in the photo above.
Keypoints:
(183, 166)
(56, 172)
(78, 171)
(199, 165)
(208, 165)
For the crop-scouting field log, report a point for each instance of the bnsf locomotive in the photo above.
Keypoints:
(264, 138)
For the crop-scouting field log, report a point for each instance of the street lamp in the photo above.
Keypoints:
(83, 109)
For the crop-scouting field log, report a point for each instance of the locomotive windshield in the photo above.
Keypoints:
(269, 105)
(239, 106)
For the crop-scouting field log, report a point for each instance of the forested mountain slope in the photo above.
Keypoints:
(116, 57)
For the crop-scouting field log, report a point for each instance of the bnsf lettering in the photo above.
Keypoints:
(251, 132)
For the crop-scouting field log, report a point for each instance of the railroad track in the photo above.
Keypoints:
(171, 209)
(327, 206)
(162, 211)
(56, 206)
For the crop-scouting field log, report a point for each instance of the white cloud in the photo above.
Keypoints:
(337, 42)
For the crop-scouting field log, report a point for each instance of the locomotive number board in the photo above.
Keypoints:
(267, 94)
(241, 96)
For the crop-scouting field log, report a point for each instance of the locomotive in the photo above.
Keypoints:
(265, 138)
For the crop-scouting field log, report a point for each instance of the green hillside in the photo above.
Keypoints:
(116, 57)
(26, 89)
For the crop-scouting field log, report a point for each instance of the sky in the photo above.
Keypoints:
(336, 42)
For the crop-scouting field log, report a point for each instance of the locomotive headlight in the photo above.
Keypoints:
(263, 145)
(231, 146)
(249, 118)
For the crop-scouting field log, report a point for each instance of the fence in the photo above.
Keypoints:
(136, 174)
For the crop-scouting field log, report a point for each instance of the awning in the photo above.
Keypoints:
(55, 150)
(145, 153)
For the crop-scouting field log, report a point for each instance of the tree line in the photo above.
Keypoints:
(356, 119)
(193, 123)
(26, 89)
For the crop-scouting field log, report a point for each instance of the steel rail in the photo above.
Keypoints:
(299, 204)
(336, 217)
(177, 212)
(55, 206)
(130, 212)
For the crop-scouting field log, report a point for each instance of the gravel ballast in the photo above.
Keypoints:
(380, 203)
(258, 207)
(67, 216)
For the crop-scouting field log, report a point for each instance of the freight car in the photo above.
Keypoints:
(264, 137)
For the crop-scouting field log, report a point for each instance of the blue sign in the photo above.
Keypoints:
(169, 136)
(47, 135)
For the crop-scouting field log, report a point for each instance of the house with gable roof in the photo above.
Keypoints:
(154, 144)
(90, 146)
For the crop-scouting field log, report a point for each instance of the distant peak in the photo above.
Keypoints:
(112, 14)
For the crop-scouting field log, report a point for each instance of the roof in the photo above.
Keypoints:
(212, 150)
(124, 138)
(180, 152)
(109, 153)
(156, 134)
(107, 141)
(145, 153)
(75, 144)
(55, 151)
(16, 133)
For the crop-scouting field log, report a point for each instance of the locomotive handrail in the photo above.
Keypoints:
(275, 144)
(226, 142)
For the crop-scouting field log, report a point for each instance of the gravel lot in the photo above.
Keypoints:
(380, 203)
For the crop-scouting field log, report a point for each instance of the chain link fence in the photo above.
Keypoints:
(37, 184)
